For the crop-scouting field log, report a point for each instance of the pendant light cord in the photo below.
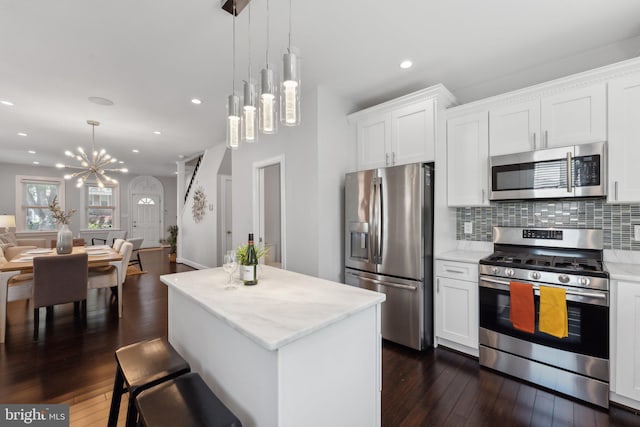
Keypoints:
(234, 48)
(267, 34)
(249, 42)
(290, 26)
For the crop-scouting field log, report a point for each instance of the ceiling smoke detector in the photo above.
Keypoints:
(100, 101)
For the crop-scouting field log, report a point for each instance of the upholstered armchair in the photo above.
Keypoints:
(13, 246)
(111, 237)
(59, 280)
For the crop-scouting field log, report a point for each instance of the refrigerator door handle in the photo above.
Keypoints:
(372, 231)
(385, 283)
(379, 222)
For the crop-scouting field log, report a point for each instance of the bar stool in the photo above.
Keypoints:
(140, 366)
(185, 401)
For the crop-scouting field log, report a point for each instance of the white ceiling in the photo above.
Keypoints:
(152, 56)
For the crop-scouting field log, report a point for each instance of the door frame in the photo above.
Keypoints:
(223, 217)
(257, 167)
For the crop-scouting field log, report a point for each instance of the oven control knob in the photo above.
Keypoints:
(495, 270)
(583, 281)
(563, 278)
(509, 272)
(535, 275)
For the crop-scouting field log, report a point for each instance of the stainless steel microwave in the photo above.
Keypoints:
(573, 171)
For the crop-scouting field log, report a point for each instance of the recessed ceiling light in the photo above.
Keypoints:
(22, 134)
(135, 150)
(36, 163)
(100, 100)
(196, 101)
(157, 132)
(7, 103)
(121, 162)
(406, 64)
(31, 151)
(176, 172)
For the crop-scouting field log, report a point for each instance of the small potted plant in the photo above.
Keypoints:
(172, 240)
(64, 239)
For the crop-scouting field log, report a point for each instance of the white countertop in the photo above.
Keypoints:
(463, 256)
(621, 271)
(283, 306)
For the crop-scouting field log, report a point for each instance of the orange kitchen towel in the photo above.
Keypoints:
(553, 312)
(522, 309)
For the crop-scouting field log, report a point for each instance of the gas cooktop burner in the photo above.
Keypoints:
(545, 262)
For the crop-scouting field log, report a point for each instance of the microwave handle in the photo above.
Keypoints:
(569, 174)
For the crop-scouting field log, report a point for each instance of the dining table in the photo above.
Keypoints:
(22, 263)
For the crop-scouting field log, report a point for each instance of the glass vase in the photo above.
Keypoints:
(64, 245)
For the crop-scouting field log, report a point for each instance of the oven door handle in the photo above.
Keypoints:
(536, 288)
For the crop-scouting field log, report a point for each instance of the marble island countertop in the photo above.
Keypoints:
(283, 307)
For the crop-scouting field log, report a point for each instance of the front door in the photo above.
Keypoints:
(145, 218)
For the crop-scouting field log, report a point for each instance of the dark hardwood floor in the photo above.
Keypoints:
(75, 365)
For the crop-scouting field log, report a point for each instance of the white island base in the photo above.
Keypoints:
(292, 351)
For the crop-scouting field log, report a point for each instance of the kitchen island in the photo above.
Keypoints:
(293, 350)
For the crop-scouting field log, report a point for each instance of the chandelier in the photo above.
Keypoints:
(95, 163)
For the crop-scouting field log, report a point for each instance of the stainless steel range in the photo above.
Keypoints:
(577, 365)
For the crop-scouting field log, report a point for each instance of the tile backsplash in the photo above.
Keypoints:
(616, 220)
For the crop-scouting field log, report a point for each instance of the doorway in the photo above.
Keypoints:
(269, 210)
(226, 219)
(146, 207)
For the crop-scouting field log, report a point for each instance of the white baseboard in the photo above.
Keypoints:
(192, 263)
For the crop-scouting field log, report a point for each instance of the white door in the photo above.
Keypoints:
(145, 218)
(227, 217)
(413, 133)
(374, 141)
(575, 117)
(624, 139)
(514, 128)
(467, 160)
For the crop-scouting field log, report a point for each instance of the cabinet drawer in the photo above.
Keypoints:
(457, 270)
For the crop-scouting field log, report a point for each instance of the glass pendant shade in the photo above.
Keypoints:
(268, 106)
(290, 90)
(249, 113)
(233, 122)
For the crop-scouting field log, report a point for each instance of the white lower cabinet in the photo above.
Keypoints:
(456, 306)
(625, 343)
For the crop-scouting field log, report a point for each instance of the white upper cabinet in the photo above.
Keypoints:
(467, 160)
(624, 139)
(400, 131)
(514, 128)
(374, 140)
(413, 133)
(577, 116)
(403, 135)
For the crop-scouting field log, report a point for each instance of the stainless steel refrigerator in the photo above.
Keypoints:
(389, 246)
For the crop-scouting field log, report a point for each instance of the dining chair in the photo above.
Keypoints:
(107, 276)
(117, 244)
(135, 254)
(59, 280)
(20, 286)
(111, 237)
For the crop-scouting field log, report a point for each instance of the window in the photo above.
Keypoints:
(33, 196)
(101, 207)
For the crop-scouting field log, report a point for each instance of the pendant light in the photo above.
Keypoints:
(268, 107)
(249, 110)
(290, 87)
(233, 103)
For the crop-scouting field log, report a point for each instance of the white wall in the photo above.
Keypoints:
(299, 147)
(336, 156)
(9, 171)
(198, 242)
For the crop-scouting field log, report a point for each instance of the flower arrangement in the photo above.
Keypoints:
(241, 253)
(58, 214)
